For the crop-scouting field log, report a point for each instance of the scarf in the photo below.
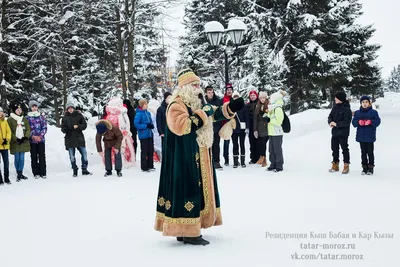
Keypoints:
(19, 133)
(34, 114)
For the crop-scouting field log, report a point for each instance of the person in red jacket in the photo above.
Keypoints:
(227, 98)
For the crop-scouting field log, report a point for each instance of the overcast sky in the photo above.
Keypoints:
(383, 14)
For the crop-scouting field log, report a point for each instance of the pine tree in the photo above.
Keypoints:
(393, 81)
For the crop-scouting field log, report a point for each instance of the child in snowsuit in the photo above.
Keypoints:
(112, 138)
(5, 139)
(366, 120)
(339, 120)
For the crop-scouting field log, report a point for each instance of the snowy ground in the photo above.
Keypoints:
(97, 221)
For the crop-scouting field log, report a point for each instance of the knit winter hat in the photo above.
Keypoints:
(187, 76)
(253, 92)
(70, 105)
(341, 96)
(229, 85)
(235, 94)
(364, 97)
(166, 95)
(126, 102)
(276, 96)
(33, 103)
(263, 94)
(142, 102)
(14, 107)
(101, 128)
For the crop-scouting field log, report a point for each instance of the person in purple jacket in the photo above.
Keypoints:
(38, 125)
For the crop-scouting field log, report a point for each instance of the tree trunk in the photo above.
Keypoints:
(65, 82)
(55, 91)
(3, 60)
(294, 96)
(121, 51)
(130, 25)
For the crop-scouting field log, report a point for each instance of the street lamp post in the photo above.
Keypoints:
(215, 32)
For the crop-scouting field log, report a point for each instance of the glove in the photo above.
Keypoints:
(256, 134)
(361, 122)
(19, 141)
(208, 110)
(24, 139)
(236, 104)
(368, 122)
(150, 126)
(5, 142)
(266, 119)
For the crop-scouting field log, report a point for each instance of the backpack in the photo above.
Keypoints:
(285, 123)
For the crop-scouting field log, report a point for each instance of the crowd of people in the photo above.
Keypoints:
(122, 125)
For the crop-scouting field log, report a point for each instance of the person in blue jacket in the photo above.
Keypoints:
(366, 120)
(144, 126)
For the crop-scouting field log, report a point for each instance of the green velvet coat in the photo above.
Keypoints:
(188, 197)
(14, 146)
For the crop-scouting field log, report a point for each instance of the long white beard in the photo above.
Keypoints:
(190, 96)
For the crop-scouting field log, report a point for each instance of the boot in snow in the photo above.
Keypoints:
(7, 176)
(217, 166)
(195, 241)
(119, 173)
(226, 162)
(370, 169)
(86, 172)
(75, 172)
(346, 168)
(108, 173)
(260, 160)
(264, 162)
(335, 167)
(242, 161)
(23, 177)
(1, 179)
(365, 170)
(235, 161)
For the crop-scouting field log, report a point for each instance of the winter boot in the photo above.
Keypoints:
(270, 169)
(235, 161)
(37, 176)
(346, 168)
(260, 160)
(195, 241)
(1, 179)
(365, 170)
(335, 167)
(7, 176)
(179, 238)
(264, 162)
(370, 169)
(75, 172)
(242, 161)
(226, 162)
(86, 172)
(119, 173)
(108, 173)
(217, 166)
(23, 177)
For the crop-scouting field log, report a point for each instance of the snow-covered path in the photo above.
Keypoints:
(97, 221)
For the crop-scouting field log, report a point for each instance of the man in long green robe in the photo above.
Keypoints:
(188, 198)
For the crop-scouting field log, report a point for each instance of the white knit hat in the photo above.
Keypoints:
(276, 96)
(263, 94)
(236, 93)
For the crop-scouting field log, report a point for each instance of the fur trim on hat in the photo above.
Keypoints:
(187, 76)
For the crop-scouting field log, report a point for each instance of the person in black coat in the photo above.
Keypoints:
(251, 106)
(72, 125)
(239, 134)
(131, 116)
(213, 99)
(340, 120)
(161, 117)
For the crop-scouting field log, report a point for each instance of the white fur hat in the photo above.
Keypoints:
(236, 93)
(276, 96)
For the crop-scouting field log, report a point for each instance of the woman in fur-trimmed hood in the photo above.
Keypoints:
(188, 198)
